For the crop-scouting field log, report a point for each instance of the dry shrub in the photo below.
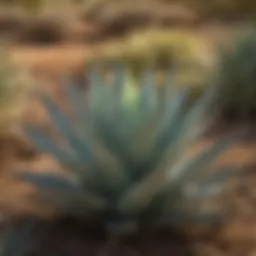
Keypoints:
(14, 100)
(119, 18)
(229, 9)
(42, 31)
(10, 22)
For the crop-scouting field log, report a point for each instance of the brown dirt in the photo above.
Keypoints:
(236, 236)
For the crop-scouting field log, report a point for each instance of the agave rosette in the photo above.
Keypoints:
(127, 164)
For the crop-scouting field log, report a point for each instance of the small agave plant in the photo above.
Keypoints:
(126, 163)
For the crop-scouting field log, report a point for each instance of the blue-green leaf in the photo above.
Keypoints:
(64, 126)
(51, 182)
(195, 166)
(77, 101)
(45, 144)
(147, 96)
(68, 192)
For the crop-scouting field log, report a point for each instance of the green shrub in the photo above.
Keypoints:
(158, 48)
(126, 160)
(189, 57)
(30, 5)
(236, 77)
(234, 9)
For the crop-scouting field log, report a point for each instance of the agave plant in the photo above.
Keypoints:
(126, 162)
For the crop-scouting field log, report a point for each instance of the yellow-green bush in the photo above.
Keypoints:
(189, 57)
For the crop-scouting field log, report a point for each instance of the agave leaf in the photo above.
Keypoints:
(51, 181)
(44, 143)
(110, 137)
(114, 137)
(172, 121)
(213, 184)
(193, 124)
(220, 176)
(113, 102)
(69, 191)
(196, 192)
(159, 180)
(142, 194)
(129, 116)
(116, 93)
(148, 133)
(77, 102)
(186, 130)
(106, 162)
(117, 121)
(167, 129)
(65, 128)
(101, 104)
(108, 173)
(162, 102)
(143, 137)
(140, 146)
(194, 166)
(95, 79)
(130, 95)
(147, 96)
(119, 81)
(96, 89)
(112, 169)
(78, 206)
